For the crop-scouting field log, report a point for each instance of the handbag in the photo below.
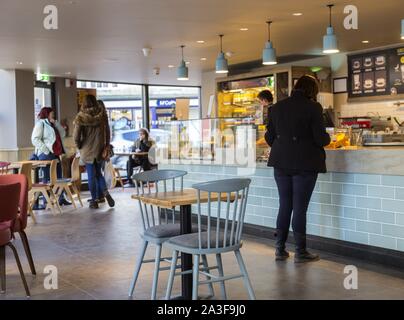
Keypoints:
(107, 152)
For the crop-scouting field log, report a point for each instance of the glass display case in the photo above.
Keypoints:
(209, 139)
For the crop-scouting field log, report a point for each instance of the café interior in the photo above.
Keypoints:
(191, 72)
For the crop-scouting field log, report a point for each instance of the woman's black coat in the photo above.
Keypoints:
(297, 135)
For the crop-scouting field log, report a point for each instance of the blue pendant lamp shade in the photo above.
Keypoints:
(402, 29)
(330, 43)
(222, 65)
(269, 53)
(182, 71)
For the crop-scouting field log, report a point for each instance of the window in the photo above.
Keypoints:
(124, 106)
(173, 103)
(43, 97)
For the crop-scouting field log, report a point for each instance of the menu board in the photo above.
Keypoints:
(378, 73)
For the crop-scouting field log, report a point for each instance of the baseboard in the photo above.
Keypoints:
(366, 253)
(369, 254)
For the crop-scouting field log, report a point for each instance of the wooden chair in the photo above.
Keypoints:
(118, 177)
(76, 179)
(114, 175)
(26, 170)
(60, 185)
(46, 189)
(4, 167)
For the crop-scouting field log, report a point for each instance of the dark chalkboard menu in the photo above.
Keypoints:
(379, 73)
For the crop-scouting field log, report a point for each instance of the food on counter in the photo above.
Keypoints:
(339, 140)
(261, 143)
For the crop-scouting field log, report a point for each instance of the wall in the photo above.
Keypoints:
(25, 107)
(359, 208)
(66, 99)
(208, 88)
(8, 110)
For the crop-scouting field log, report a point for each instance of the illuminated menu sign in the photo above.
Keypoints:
(379, 73)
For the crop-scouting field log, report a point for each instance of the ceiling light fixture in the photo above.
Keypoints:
(269, 53)
(330, 43)
(19, 62)
(297, 14)
(365, 41)
(203, 59)
(222, 65)
(243, 29)
(182, 71)
(201, 41)
(171, 66)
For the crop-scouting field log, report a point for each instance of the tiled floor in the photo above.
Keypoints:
(95, 252)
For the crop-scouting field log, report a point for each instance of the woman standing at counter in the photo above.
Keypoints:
(297, 137)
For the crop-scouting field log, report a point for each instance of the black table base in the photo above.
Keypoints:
(186, 259)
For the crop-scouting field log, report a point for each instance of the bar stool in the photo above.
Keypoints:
(159, 225)
(223, 235)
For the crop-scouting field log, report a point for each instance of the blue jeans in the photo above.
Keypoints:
(295, 192)
(96, 180)
(46, 170)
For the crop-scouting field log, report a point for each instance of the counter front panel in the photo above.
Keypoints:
(360, 208)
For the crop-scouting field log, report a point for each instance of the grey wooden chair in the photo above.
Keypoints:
(159, 225)
(223, 234)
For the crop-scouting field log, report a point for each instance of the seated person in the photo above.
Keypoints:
(143, 144)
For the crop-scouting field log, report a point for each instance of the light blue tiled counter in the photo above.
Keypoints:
(360, 208)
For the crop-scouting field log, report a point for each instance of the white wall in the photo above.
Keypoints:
(8, 110)
(208, 83)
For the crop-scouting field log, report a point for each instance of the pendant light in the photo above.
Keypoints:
(182, 71)
(402, 29)
(221, 61)
(330, 44)
(269, 53)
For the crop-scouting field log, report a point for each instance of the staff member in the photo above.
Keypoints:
(297, 137)
(266, 100)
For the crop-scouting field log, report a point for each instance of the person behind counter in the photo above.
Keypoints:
(297, 137)
(266, 100)
(142, 144)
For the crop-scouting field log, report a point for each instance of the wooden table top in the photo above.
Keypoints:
(172, 199)
(35, 163)
(131, 153)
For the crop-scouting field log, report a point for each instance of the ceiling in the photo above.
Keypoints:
(103, 39)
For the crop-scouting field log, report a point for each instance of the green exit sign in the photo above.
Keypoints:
(42, 77)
